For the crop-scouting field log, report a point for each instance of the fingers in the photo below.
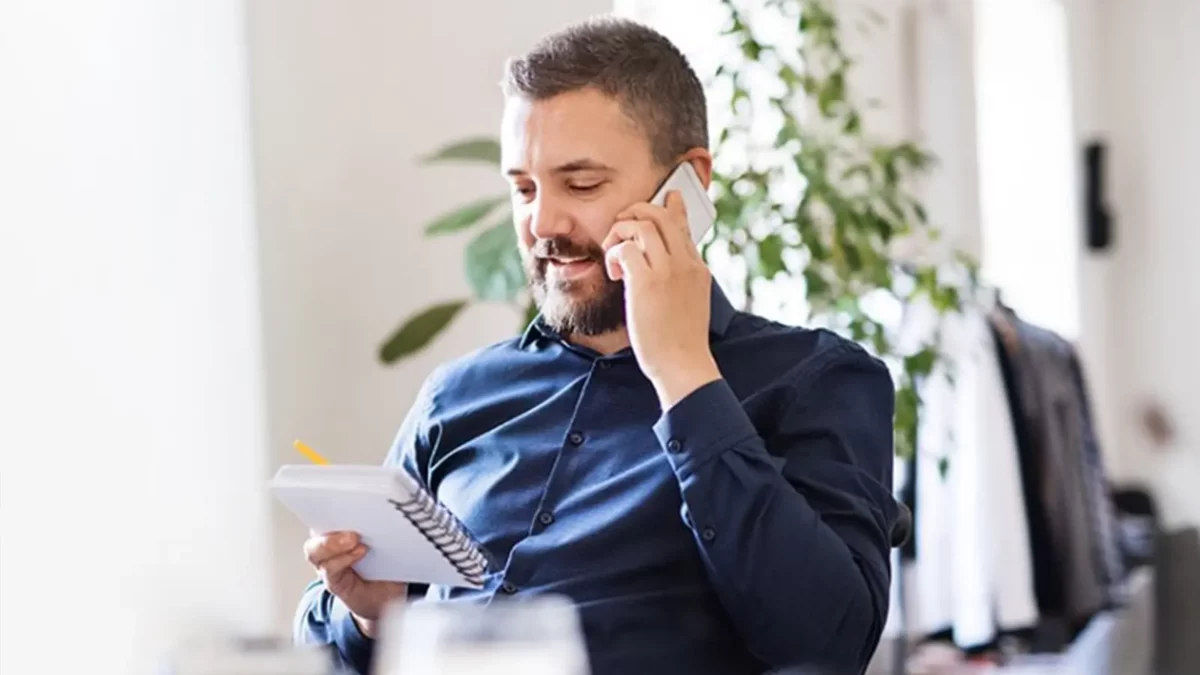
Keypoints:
(671, 220)
(333, 567)
(626, 261)
(641, 232)
(337, 572)
(680, 235)
(675, 205)
(322, 547)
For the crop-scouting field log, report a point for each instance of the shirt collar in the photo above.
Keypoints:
(721, 314)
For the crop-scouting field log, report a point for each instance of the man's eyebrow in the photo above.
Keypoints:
(570, 167)
(582, 165)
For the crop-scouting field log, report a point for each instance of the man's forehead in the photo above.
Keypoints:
(570, 131)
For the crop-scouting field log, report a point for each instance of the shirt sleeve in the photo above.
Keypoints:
(322, 619)
(793, 524)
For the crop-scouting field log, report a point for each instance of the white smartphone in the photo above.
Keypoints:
(701, 212)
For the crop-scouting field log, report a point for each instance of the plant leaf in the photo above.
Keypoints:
(922, 215)
(739, 94)
(464, 216)
(484, 149)
(921, 363)
(751, 48)
(927, 280)
(787, 132)
(945, 299)
(493, 264)
(419, 330)
(833, 93)
(853, 124)
(906, 418)
(881, 343)
(814, 283)
(788, 75)
(770, 256)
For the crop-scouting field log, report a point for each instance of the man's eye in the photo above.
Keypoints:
(586, 188)
(524, 191)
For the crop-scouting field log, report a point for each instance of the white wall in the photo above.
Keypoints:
(346, 97)
(1029, 165)
(131, 372)
(1150, 98)
(942, 84)
(1096, 315)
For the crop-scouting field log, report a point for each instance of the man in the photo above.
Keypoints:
(710, 488)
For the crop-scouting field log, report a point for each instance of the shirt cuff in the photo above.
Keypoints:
(355, 647)
(702, 425)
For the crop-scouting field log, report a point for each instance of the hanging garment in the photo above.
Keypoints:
(1055, 415)
(1047, 570)
(1103, 504)
(973, 561)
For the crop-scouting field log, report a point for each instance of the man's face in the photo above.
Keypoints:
(574, 162)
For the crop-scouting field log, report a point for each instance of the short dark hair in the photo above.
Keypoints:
(638, 66)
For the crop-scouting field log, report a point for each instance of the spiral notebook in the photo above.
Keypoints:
(410, 537)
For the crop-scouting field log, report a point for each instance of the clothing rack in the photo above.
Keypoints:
(1030, 354)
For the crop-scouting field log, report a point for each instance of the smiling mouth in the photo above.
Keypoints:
(570, 267)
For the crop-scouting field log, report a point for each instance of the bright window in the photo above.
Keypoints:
(1028, 187)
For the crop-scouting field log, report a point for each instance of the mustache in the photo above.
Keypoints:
(565, 247)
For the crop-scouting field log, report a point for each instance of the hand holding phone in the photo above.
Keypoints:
(652, 249)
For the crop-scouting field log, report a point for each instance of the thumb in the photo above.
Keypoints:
(342, 583)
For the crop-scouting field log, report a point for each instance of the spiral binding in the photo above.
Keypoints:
(437, 524)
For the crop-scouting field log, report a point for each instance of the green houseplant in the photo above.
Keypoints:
(819, 206)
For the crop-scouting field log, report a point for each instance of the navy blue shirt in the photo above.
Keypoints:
(744, 530)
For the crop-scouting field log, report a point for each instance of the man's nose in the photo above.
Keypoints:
(548, 219)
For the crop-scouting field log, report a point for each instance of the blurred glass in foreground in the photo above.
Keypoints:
(537, 636)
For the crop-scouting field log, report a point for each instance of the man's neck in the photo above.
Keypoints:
(605, 343)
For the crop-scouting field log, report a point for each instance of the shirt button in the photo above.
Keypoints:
(545, 517)
(709, 534)
(605, 365)
(575, 438)
(508, 588)
(674, 445)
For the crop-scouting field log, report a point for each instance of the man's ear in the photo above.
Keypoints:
(702, 161)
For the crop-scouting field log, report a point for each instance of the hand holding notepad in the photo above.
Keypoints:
(409, 536)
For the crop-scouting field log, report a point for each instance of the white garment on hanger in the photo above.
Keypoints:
(896, 623)
(974, 570)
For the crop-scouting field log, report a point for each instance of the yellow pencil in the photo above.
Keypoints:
(308, 452)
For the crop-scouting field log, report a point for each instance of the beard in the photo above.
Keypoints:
(574, 306)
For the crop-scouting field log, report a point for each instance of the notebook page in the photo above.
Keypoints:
(397, 549)
(366, 476)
